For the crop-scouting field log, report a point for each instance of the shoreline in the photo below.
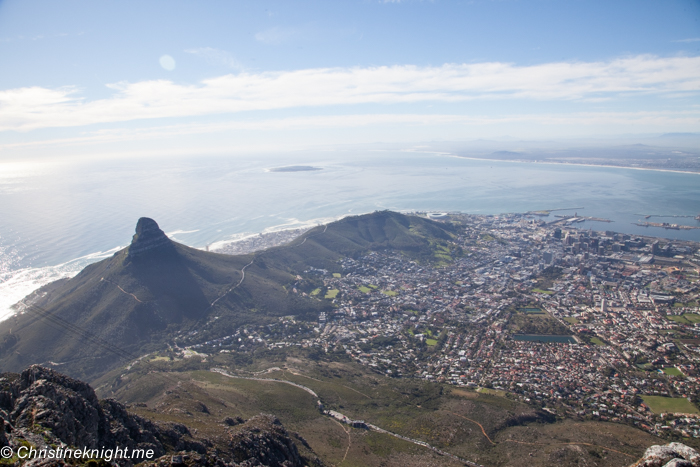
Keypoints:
(280, 229)
(575, 163)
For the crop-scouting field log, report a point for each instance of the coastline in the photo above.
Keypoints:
(302, 226)
(574, 163)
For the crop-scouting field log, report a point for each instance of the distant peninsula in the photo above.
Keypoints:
(635, 156)
(294, 168)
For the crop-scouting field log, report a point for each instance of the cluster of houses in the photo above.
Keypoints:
(583, 323)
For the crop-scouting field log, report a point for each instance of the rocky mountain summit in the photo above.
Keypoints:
(44, 409)
(148, 236)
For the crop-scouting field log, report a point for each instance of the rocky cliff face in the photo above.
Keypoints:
(262, 440)
(43, 408)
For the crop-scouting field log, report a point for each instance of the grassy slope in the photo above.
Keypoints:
(434, 413)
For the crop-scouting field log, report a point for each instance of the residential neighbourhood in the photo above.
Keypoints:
(582, 323)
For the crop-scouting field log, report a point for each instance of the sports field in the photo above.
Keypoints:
(660, 404)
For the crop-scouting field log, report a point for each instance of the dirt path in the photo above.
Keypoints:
(480, 426)
(347, 432)
(235, 286)
(120, 288)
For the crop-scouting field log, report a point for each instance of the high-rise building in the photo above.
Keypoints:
(655, 248)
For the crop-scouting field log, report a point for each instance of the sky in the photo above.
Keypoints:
(103, 78)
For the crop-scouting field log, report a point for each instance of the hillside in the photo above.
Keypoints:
(146, 294)
(414, 236)
(446, 417)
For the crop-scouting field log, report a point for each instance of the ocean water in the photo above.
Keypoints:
(55, 218)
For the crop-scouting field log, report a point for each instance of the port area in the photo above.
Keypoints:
(575, 219)
(666, 225)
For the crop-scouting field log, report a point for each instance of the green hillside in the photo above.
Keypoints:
(417, 237)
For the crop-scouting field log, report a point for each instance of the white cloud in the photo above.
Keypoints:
(276, 35)
(30, 108)
(692, 39)
(216, 57)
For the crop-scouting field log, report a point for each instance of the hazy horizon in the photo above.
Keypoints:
(102, 80)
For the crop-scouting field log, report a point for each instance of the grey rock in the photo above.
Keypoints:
(263, 441)
(678, 463)
(670, 455)
(687, 453)
(67, 411)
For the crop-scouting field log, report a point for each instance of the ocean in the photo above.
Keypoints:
(56, 218)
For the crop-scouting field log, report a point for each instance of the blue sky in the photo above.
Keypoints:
(101, 78)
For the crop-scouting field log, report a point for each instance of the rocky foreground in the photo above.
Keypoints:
(670, 455)
(44, 409)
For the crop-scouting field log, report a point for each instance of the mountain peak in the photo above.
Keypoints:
(148, 236)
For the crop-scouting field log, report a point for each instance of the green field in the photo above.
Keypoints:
(660, 404)
(597, 341)
(572, 320)
(688, 318)
(332, 293)
(315, 291)
(493, 392)
(548, 292)
(532, 311)
(673, 371)
(431, 342)
(390, 293)
(364, 289)
(159, 358)
(336, 274)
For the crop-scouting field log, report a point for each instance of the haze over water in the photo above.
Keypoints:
(57, 218)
